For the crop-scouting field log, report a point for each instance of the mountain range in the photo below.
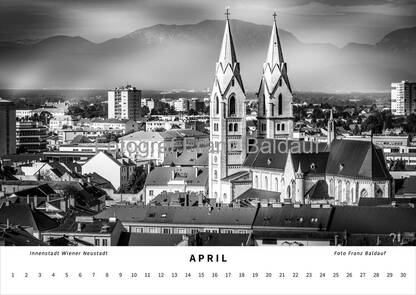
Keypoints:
(184, 56)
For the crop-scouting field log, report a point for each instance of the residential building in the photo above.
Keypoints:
(7, 127)
(62, 122)
(120, 126)
(117, 170)
(403, 98)
(175, 179)
(31, 137)
(87, 231)
(124, 103)
(156, 146)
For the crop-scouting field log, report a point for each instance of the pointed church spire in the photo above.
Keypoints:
(274, 53)
(299, 168)
(227, 54)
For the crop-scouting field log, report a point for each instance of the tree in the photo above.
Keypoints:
(137, 180)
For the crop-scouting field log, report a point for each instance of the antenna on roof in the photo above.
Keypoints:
(227, 12)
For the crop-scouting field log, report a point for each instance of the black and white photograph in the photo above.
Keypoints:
(152, 124)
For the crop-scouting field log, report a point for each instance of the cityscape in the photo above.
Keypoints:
(219, 166)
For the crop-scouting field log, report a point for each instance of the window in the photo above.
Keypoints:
(280, 104)
(166, 230)
(272, 107)
(278, 127)
(230, 127)
(105, 242)
(264, 104)
(215, 174)
(283, 127)
(181, 231)
(225, 197)
(232, 106)
(364, 194)
(235, 127)
(215, 126)
(151, 193)
(232, 82)
(266, 183)
(217, 105)
(97, 242)
(233, 145)
(256, 181)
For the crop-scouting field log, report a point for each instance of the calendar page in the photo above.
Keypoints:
(208, 270)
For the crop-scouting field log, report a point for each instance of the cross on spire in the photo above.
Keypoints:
(274, 15)
(227, 12)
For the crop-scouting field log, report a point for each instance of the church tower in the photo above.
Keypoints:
(275, 114)
(227, 119)
(331, 130)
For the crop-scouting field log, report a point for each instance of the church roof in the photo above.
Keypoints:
(311, 163)
(353, 158)
(275, 157)
(319, 191)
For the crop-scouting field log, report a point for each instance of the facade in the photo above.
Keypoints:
(175, 179)
(157, 146)
(7, 127)
(31, 137)
(227, 123)
(275, 115)
(403, 98)
(62, 122)
(124, 103)
(118, 171)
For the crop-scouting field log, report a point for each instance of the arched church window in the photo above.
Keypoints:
(266, 182)
(216, 195)
(215, 174)
(347, 192)
(264, 104)
(280, 104)
(283, 126)
(277, 127)
(272, 107)
(256, 181)
(331, 187)
(232, 82)
(280, 82)
(224, 197)
(232, 105)
(235, 127)
(364, 193)
(230, 127)
(339, 194)
(288, 192)
(276, 184)
(217, 105)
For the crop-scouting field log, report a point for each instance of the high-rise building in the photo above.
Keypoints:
(7, 127)
(227, 119)
(275, 115)
(124, 103)
(403, 98)
(31, 137)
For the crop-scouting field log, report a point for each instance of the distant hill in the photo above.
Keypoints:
(184, 56)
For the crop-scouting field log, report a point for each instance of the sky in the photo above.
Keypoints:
(314, 21)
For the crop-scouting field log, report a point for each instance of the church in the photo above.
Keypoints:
(336, 172)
